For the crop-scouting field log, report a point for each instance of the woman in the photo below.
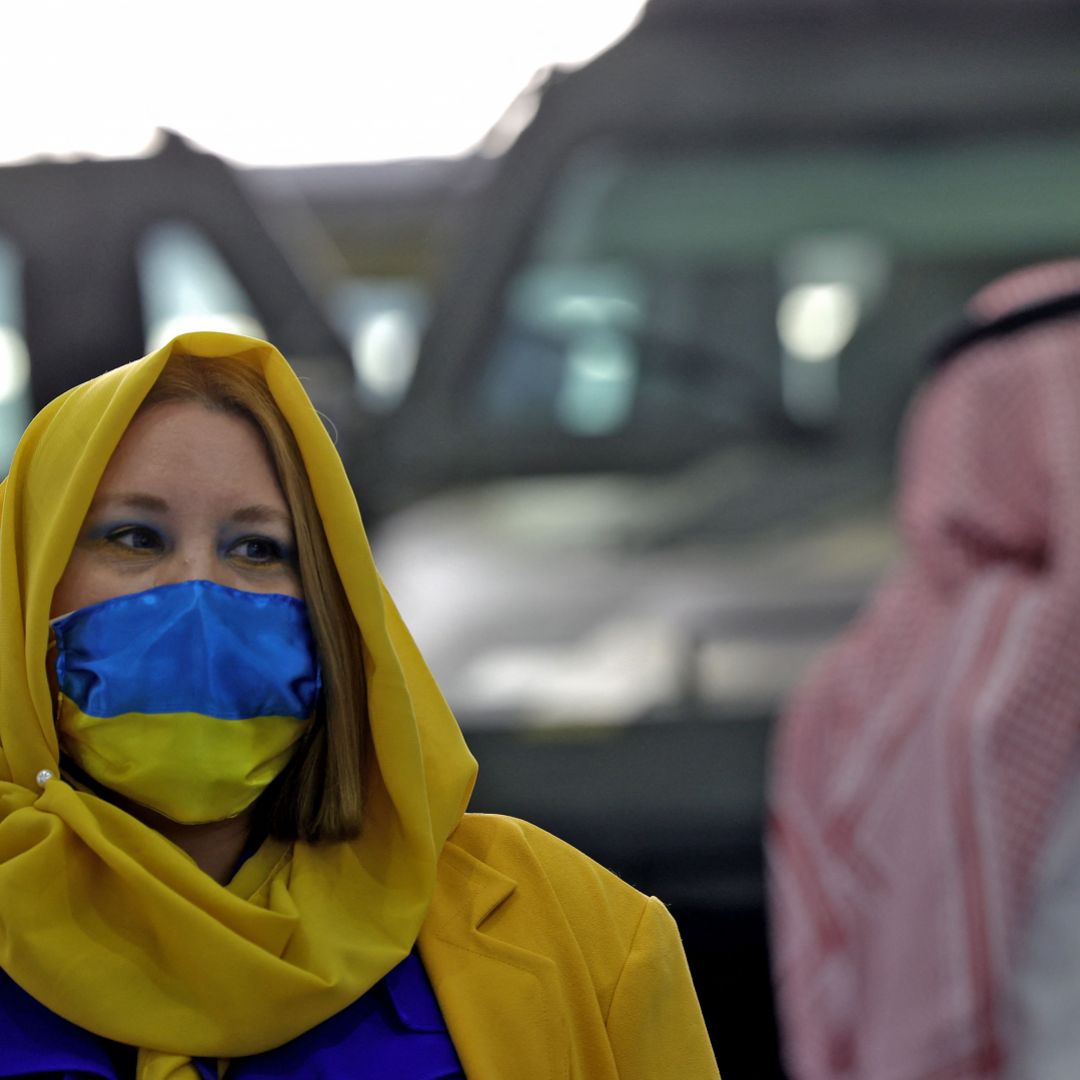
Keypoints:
(232, 828)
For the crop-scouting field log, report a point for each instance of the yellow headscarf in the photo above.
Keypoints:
(112, 926)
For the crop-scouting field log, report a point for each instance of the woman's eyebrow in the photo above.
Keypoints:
(261, 513)
(134, 500)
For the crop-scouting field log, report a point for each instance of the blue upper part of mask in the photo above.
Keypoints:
(190, 647)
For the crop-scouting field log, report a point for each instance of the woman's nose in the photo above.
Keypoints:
(191, 565)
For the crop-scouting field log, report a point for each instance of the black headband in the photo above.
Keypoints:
(975, 332)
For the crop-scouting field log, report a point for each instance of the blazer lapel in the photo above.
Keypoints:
(501, 1002)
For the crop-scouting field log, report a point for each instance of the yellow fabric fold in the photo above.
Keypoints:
(109, 924)
(152, 1065)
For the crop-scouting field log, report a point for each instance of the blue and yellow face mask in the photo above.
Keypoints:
(187, 698)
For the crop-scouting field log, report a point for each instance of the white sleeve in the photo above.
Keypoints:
(1042, 999)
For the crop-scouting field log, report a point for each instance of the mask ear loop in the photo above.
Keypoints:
(45, 775)
(51, 651)
(69, 772)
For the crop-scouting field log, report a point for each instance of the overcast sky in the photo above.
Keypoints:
(265, 82)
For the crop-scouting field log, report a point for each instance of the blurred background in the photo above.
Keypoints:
(615, 311)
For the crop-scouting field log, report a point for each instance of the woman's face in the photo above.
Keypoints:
(189, 493)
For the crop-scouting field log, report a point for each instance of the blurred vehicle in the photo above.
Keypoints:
(101, 260)
(640, 472)
(374, 238)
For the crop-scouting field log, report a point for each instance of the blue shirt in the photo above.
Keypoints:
(395, 1030)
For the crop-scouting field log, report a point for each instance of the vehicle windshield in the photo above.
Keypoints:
(683, 304)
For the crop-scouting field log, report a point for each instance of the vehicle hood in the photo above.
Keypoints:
(583, 600)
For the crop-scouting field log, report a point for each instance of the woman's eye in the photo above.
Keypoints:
(259, 549)
(135, 538)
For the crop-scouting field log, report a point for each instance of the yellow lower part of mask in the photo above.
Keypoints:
(190, 767)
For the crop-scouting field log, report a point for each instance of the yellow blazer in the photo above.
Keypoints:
(548, 966)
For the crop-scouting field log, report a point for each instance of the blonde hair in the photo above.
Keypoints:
(318, 797)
